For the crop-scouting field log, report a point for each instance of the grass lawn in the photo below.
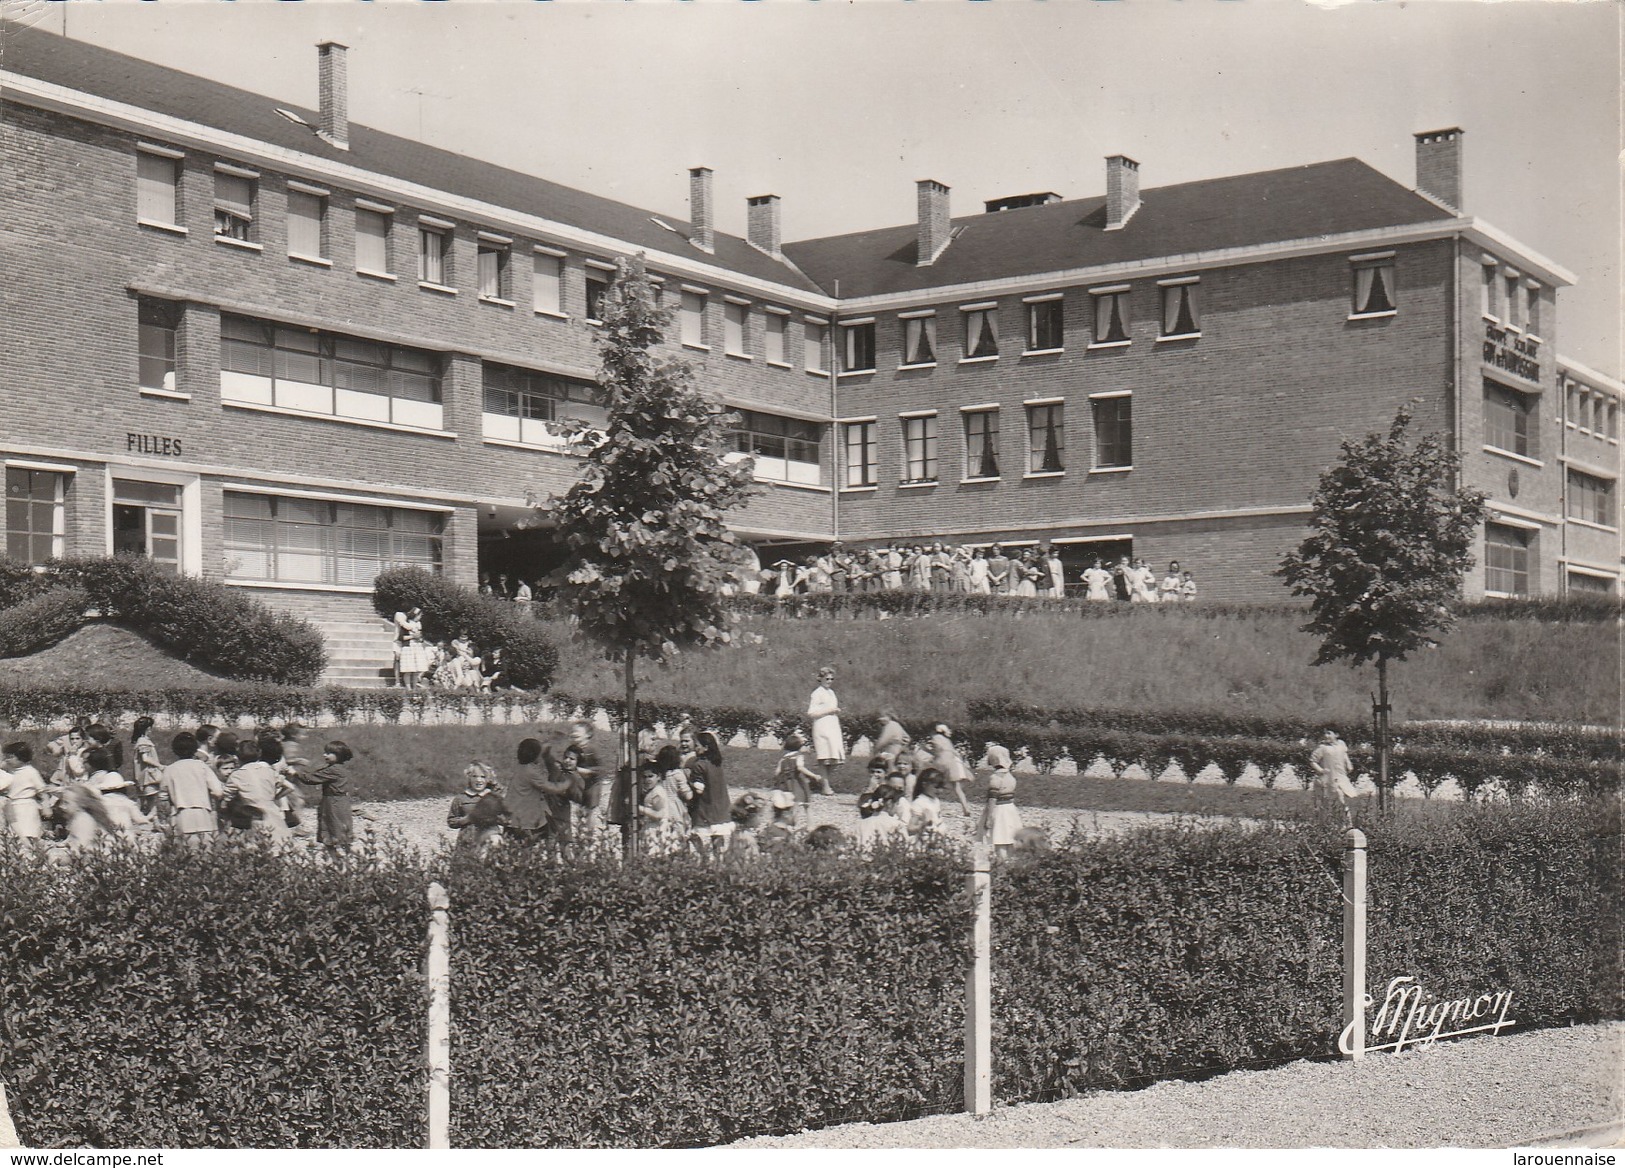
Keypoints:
(104, 655)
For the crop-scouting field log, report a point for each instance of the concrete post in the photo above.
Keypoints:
(1352, 1044)
(438, 972)
(979, 990)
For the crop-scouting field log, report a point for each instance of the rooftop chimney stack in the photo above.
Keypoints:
(1122, 190)
(334, 117)
(700, 217)
(1438, 165)
(934, 223)
(762, 223)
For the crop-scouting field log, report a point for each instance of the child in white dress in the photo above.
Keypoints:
(1000, 819)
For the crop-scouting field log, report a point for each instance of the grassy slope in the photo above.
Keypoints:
(104, 655)
(1141, 659)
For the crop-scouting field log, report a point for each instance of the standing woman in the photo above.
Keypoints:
(411, 657)
(979, 581)
(1170, 583)
(946, 758)
(147, 769)
(710, 812)
(1057, 572)
(824, 710)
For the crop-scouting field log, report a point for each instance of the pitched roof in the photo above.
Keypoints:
(92, 69)
(1301, 202)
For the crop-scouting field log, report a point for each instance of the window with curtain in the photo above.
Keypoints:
(920, 449)
(35, 523)
(860, 454)
(1506, 559)
(920, 340)
(1046, 439)
(1044, 325)
(155, 343)
(306, 213)
(156, 185)
(492, 262)
(1507, 421)
(1114, 431)
(858, 347)
(691, 318)
(773, 338)
(1374, 287)
(596, 286)
(733, 328)
(546, 283)
(234, 206)
(1591, 499)
(372, 241)
(981, 333)
(1111, 318)
(1179, 311)
(432, 245)
(319, 541)
(982, 444)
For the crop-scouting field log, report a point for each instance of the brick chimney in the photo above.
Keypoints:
(1122, 190)
(934, 223)
(700, 217)
(1438, 165)
(334, 117)
(762, 223)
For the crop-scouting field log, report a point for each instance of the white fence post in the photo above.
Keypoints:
(1352, 1045)
(438, 972)
(8, 1133)
(979, 990)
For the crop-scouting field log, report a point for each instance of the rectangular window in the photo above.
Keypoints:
(320, 541)
(147, 521)
(1114, 431)
(1489, 278)
(981, 333)
(1591, 499)
(1612, 420)
(774, 338)
(306, 215)
(155, 345)
(538, 409)
(813, 337)
(546, 283)
(1512, 299)
(1045, 321)
(982, 444)
(1531, 316)
(433, 245)
(786, 450)
(733, 328)
(1179, 311)
(920, 340)
(1373, 287)
(372, 241)
(156, 184)
(34, 514)
(858, 347)
(1046, 439)
(691, 318)
(492, 260)
(1111, 318)
(234, 206)
(323, 373)
(1506, 559)
(597, 285)
(860, 454)
(1581, 582)
(1508, 421)
(920, 449)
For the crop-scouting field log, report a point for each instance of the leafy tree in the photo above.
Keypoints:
(1390, 538)
(647, 545)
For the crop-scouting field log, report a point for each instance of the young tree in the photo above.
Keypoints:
(1390, 538)
(647, 545)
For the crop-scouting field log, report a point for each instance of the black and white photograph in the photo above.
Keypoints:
(902, 575)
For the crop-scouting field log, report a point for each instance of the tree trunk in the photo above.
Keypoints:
(629, 759)
(1383, 793)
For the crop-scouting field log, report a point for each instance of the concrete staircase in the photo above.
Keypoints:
(360, 653)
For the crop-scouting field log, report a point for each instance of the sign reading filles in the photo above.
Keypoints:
(1410, 1017)
(152, 444)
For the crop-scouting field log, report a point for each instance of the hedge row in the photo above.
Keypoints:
(1563, 741)
(277, 1001)
(450, 610)
(42, 619)
(216, 627)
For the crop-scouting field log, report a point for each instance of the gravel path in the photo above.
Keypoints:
(1486, 1092)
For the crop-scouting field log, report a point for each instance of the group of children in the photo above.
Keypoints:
(247, 784)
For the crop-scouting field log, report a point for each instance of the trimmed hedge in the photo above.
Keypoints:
(44, 618)
(450, 610)
(212, 625)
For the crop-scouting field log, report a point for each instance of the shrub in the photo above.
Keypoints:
(450, 610)
(229, 997)
(43, 619)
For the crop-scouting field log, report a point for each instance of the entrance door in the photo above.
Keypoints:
(147, 521)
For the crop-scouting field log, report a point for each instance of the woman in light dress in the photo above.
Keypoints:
(979, 583)
(1024, 576)
(824, 709)
(411, 654)
(1169, 589)
(1097, 581)
(1143, 583)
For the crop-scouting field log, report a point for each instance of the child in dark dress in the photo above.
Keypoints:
(478, 811)
(335, 824)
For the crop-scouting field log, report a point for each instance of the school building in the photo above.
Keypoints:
(265, 344)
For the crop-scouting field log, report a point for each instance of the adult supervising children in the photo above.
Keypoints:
(824, 710)
(1331, 764)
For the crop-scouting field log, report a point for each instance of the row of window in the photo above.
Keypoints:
(1506, 297)
(918, 464)
(1591, 412)
(319, 541)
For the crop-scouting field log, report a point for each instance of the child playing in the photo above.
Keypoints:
(335, 820)
(477, 812)
(1000, 819)
(21, 790)
(147, 766)
(879, 765)
(878, 824)
(925, 809)
(783, 831)
(190, 789)
(656, 813)
(796, 777)
(115, 790)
